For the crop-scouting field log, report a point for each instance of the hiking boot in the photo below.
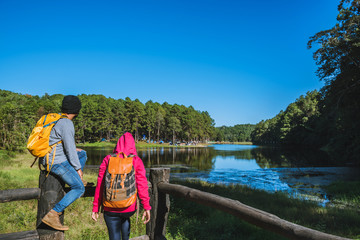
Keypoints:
(52, 219)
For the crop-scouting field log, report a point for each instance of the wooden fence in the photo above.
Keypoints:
(51, 191)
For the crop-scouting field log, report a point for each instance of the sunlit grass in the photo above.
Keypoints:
(106, 144)
(18, 216)
(21, 215)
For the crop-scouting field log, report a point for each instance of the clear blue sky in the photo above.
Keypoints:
(242, 61)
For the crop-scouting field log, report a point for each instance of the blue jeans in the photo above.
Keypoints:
(118, 225)
(70, 176)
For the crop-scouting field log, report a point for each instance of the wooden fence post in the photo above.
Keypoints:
(52, 191)
(160, 204)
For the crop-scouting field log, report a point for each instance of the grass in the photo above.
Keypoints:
(193, 221)
(4, 157)
(110, 144)
(346, 193)
(187, 220)
(21, 215)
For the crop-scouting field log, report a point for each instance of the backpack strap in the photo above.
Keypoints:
(48, 169)
(34, 162)
(118, 155)
(62, 115)
(47, 158)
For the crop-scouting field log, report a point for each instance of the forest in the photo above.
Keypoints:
(328, 119)
(103, 118)
(237, 133)
(108, 118)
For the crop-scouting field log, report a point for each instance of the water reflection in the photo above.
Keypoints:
(298, 172)
(179, 159)
(240, 157)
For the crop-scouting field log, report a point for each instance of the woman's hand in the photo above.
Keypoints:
(146, 216)
(95, 216)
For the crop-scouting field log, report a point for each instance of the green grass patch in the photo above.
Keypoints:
(21, 215)
(78, 218)
(18, 216)
(16, 172)
(106, 144)
(194, 221)
(345, 192)
(5, 157)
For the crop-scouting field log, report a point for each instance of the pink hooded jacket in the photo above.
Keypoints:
(126, 144)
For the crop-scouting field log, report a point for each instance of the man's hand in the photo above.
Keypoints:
(95, 216)
(80, 172)
(146, 216)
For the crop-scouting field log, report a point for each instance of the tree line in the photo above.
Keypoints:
(328, 119)
(103, 118)
(237, 133)
(108, 118)
(294, 126)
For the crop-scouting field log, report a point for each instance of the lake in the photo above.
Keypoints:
(300, 173)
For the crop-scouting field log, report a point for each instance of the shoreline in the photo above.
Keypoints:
(141, 144)
(233, 143)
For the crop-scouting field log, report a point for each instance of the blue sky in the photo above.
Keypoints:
(242, 61)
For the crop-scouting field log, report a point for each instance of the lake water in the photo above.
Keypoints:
(302, 174)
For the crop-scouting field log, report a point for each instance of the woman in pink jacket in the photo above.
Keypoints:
(118, 219)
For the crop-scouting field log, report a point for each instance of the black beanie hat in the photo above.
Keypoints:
(71, 104)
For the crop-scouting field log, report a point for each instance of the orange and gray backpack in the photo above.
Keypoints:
(120, 186)
(38, 142)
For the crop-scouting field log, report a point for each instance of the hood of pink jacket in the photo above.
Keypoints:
(126, 144)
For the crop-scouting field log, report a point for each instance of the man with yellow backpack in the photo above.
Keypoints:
(64, 159)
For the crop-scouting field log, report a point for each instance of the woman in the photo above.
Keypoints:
(118, 219)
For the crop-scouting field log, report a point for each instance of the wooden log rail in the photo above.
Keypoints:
(19, 194)
(252, 215)
(32, 193)
(159, 191)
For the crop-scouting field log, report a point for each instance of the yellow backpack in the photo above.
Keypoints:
(38, 142)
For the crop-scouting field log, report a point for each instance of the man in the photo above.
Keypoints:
(69, 161)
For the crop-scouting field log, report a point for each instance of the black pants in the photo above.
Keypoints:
(118, 225)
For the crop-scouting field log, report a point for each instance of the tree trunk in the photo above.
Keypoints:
(136, 131)
(158, 132)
